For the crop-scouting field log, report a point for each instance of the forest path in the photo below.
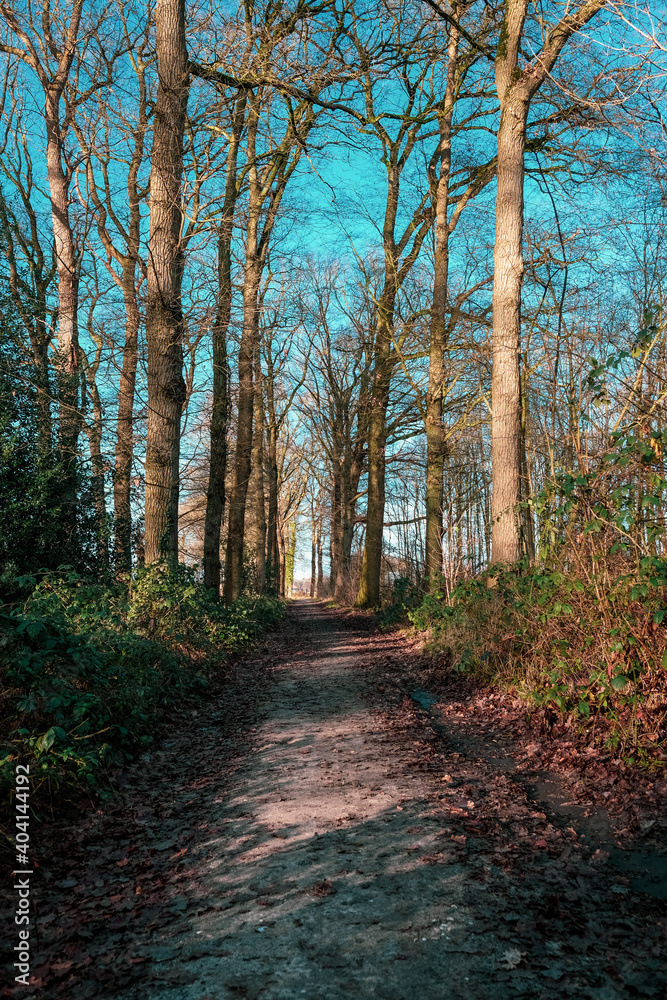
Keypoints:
(326, 848)
(336, 869)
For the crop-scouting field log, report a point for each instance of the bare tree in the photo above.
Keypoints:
(516, 86)
(164, 315)
(50, 45)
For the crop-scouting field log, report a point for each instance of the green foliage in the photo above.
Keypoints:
(32, 480)
(88, 670)
(405, 596)
(583, 633)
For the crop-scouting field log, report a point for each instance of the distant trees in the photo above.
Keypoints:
(249, 254)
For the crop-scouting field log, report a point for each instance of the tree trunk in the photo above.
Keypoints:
(258, 509)
(164, 318)
(243, 454)
(97, 484)
(281, 561)
(289, 559)
(515, 87)
(320, 571)
(351, 476)
(67, 357)
(313, 554)
(506, 378)
(435, 432)
(272, 552)
(371, 564)
(336, 523)
(125, 431)
(215, 496)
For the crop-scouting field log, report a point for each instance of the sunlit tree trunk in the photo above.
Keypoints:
(215, 497)
(313, 553)
(244, 429)
(516, 87)
(257, 541)
(164, 317)
(368, 595)
(435, 433)
(124, 451)
(320, 570)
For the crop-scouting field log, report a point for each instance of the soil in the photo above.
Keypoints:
(336, 825)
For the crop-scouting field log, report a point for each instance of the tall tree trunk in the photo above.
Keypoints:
(97, 483)
(128, 377)
(336, 522)
(215, 496)
(368, 595)
(164, 318)
(122, 483)
(528, 533)
(258, 508)
(281, 561)
(435, 432)
(272, 551)
(506, 377)
(313, 554)
(243, 454)
(516, 87)
(67, 358)
(320, 569)
(289, 559)
(260, 193)
(351, 476)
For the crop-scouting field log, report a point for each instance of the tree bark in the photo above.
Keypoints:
(320, 570)
(97, 483)
(313, 554)
(272, 552)
(215, 497)
(371, 565)
(258, 509)
(164, 318)
(516, 88)
(435, 432)
(243, 454)
(124, 452)
(351, 475)
(506, 377)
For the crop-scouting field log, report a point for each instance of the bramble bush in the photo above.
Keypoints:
(89, 670)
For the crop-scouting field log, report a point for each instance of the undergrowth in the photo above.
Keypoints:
(89, 670)
(581, 633)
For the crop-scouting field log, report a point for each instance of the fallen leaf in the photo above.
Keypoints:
(60, 968)
(121, 864)
(323, 888)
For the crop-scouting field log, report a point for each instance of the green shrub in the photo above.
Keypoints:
(405, 595)
(88, 670)
(584, 632)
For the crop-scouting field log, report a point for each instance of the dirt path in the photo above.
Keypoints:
(345, 851)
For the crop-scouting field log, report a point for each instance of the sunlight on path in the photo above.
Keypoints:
(331, 872)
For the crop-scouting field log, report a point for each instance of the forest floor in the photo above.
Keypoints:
(334, 824)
